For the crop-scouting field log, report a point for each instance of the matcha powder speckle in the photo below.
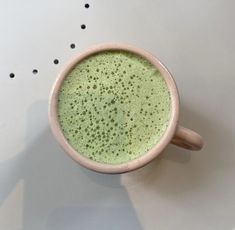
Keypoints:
(113, 107)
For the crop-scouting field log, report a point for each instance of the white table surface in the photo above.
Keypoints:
(42, 188)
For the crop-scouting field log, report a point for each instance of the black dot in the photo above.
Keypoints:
(87, 5)
(35, 71)
(72, 46)
(56, 61)
(12, 75)
(83, 26)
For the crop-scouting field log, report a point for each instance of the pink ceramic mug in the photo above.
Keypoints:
(174, 133)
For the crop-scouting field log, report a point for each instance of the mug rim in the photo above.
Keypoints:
(132, 164)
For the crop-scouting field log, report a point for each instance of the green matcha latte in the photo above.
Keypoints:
(113, 107)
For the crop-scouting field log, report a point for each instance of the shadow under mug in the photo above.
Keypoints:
(174, 133)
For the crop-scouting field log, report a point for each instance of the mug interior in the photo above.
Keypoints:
(143, 159)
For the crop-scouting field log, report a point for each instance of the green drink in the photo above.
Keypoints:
(114, 106)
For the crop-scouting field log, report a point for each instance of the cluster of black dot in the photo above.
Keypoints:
(113, 107)
(56, 61)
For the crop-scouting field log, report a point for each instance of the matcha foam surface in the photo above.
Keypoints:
(113, 107)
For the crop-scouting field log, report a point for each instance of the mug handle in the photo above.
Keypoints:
(187, 139)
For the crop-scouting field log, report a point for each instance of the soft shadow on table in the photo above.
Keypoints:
(58, 194)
